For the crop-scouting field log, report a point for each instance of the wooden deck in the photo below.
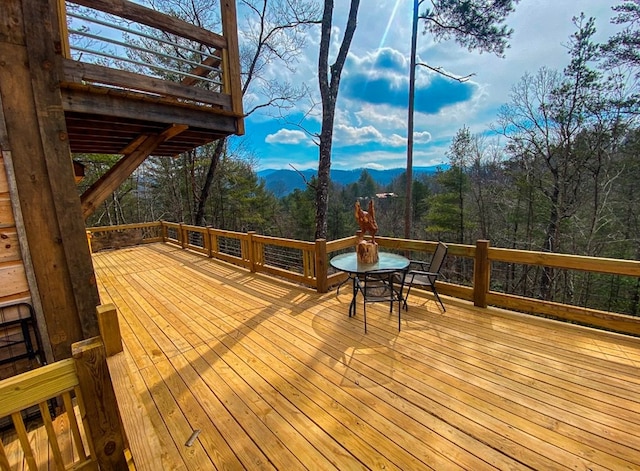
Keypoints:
(277, 376)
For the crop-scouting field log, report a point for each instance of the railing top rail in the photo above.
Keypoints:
(284, 242)
(567, 261)
(147, 16)
(123, 227)
(36, 386)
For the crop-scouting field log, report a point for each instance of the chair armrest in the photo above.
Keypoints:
(418, 277)
(423, 272)
(421, 264)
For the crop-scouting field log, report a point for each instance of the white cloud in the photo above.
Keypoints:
(288, 136)
(352, 135)
(380, 52)
(421, 137)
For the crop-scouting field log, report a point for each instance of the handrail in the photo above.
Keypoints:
(210, 78)
(98, 371)
(309, 266)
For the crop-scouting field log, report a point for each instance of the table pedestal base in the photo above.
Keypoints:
(367, 252)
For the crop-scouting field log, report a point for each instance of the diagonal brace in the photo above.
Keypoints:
(113, 178)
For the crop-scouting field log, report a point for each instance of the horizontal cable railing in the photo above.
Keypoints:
(589, 290)
(135, 49)
(126, 46)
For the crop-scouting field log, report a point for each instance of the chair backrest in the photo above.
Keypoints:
(438, 258)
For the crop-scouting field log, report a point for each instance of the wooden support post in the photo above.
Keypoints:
(109, 329)
(214, 242)
(182, 236)
(89, 241)
(144, 443)
(206, 242)
(481, 274)
(322, 285)
(34, 132)
(100, 403)
(209, 242)
(163, 231)
(250, 255)
(231, 65)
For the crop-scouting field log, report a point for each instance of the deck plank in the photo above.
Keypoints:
(278, 376)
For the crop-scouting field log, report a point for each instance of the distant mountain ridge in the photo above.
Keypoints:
(283, 181)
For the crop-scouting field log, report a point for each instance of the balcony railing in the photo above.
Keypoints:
(473, 273)
(120, 45)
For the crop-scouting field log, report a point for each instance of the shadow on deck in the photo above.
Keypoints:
(277, 376)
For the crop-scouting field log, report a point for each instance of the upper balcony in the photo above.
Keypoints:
(128, 72)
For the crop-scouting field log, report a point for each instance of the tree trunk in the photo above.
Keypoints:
(551, 242)
(206, 187)
(329, 94)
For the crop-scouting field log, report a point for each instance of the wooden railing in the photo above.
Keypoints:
(307, 263)
(96, 381)
(38, 388)
(211, 78)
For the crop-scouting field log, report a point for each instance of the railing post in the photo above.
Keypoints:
(207, 242)
(163, 232)
(231, 60)
(322, 285)
(481, 274)
(250, 255)
(89, 241)
(109, 329)
(182, 235)
(213, 242)
(100, 403)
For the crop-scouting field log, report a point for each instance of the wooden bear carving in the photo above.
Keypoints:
(367, 220)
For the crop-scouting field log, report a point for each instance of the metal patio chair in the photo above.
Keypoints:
(381, 286)
(424, 274)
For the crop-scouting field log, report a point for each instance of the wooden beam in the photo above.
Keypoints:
(43, 172)
(79, 72)
(107, 184)
(202, 70)
(232, 63)
(133, 145)
(121, 106)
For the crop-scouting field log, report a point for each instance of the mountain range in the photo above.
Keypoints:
(283, 181)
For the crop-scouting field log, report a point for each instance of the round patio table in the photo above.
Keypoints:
(348, 263)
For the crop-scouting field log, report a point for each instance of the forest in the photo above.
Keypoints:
(557, 171)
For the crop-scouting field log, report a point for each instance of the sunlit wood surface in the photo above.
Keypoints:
(278, 376)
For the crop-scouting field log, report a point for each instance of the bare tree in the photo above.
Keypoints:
(474, 24)
(329, 79)
(273, 33)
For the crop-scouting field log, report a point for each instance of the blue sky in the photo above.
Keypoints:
(371, 115)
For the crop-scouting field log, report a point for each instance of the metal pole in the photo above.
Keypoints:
(408, 212)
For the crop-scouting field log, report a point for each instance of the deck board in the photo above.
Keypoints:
(278, 376)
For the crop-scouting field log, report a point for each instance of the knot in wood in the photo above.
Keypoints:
(109, 448)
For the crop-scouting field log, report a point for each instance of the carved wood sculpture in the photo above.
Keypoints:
(367, 220)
